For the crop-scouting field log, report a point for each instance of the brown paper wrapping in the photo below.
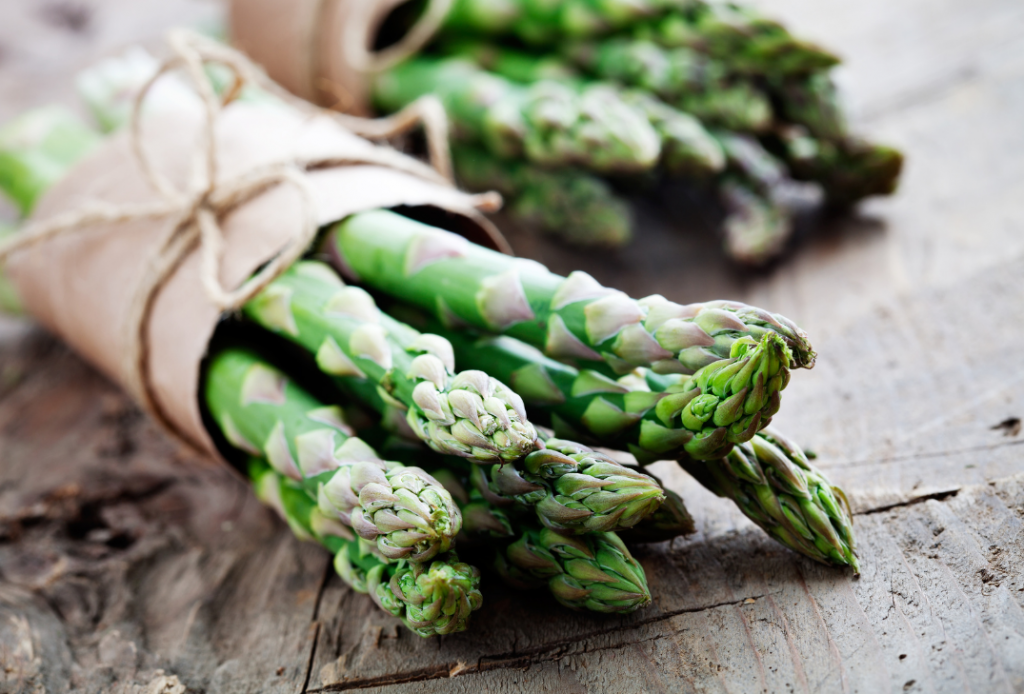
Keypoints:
(80, 285)
(299, 43)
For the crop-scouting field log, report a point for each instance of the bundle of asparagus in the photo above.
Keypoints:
(464, 340)
(547, 100)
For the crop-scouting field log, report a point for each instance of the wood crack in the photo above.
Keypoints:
(930, 454)
(549, 652)
(934, 496)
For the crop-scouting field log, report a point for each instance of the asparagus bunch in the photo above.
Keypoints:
(684, 66)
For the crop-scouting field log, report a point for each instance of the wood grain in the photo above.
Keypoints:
(126, 565)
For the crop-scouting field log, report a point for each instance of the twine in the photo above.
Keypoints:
(198, 206)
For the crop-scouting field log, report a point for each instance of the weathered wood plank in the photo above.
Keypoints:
(126, 563)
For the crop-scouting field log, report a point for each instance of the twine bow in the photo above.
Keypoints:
(197, 207)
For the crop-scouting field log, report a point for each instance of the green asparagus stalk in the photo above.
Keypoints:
(584, 572)
(684, 78)
(37, 149)
(407, 513)
(469, 414)
(746, 41)
(568, 203)
(546, 123)
(569, 318)
(687, 149)
(430, 599)
(776, 486)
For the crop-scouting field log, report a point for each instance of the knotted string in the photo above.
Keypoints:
(197, 207)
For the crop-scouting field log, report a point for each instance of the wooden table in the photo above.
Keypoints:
(128, 565)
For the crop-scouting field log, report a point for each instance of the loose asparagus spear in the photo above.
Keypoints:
(469, 414)
(431, 599)
(775, 485)
(593, 571)
(681, 77)
(570, 318)
(546, 123)
(669, 422)
(568, 203)
(260, 411)
(36, 149)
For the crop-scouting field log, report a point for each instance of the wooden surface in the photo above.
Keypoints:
(128, 566)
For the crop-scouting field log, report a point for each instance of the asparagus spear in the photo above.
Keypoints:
(777, 487)
(593, 572)
(469, 414)
(542, 21)
(569, 203)
(671, 520)
(681, 77)
(260, 411)
(567, 486)
(746, 41)
(575, 489)
(817, 146)
(570, 318)
(431, 599)
(686, 147)
(546, 123)
(848, 170)
(757, 223)
(489, 514)
(36, 149)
